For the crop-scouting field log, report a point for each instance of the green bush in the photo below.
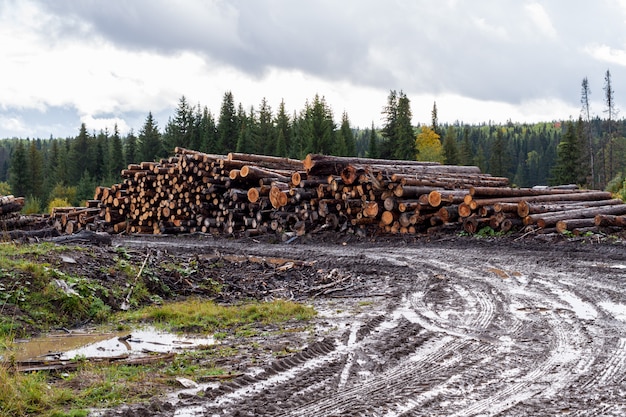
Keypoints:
(5, 188)
(32, 205)
(63, 192)
(58, 202)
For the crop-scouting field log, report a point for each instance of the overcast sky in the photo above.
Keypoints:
(102, 62)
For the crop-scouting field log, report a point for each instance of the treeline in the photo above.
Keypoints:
(69, 169)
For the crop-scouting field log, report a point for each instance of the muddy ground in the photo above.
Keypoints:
(419, 327)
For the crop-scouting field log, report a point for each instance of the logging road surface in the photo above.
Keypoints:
(449, 329)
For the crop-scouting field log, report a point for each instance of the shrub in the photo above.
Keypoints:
(5, 188)
(58, 202)
(32, 205)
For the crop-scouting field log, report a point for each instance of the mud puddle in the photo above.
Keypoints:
(134, 343)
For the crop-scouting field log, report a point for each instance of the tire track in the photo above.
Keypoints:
(462, 336)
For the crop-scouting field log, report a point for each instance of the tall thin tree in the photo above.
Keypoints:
(584, 99)
(611, 112)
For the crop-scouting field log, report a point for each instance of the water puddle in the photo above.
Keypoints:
(135, 343)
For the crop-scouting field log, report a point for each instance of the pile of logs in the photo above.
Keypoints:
(10, 208)
(238, 194)
(14, 225)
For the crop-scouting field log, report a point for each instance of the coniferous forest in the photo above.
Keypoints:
(590, 152)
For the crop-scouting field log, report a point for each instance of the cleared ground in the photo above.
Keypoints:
(461, 327)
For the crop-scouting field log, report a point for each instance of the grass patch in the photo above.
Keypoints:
(30, 395)
(202, 316)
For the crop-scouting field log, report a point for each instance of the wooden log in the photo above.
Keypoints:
(525, 208)
(448, 213)
(316, 160)
(550, 219)
(436, 198)
(580, 196)
(517, 192)
(253, 173)
(267, 161)
(563, 226)
(473, 224)
(609, 220)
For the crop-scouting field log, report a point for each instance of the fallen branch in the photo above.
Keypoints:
(125, 305)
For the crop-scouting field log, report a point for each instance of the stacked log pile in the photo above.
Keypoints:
(255, 194)
(10, 208)
(14, 225)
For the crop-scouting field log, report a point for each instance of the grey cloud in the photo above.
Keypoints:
(485, 50)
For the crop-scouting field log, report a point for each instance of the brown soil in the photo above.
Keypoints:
(410, 327)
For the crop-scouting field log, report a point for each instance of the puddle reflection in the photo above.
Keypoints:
(103, 345)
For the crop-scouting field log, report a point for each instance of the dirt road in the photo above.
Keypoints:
(465, 328)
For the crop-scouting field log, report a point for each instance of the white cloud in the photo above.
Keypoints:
(541, 20)
(606, 53)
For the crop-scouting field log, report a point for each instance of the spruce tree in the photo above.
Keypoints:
(320, 128)
(567, 167)
(116, 156)
(228, 125)
(499, 160)
(245, 137)
(347, 136)
(450, 148)
(150, 146)
(131, 150)
(208, 132)
(284, 130)
(372, 149)
(405, 136)
(18, 171)
(389, 130)
(467, 154)
(81, 158)
(264, 130)
(35, 171)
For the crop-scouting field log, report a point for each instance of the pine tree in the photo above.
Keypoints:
(101, 154)
(567, 167)
(51, 167)
(590, 151)
(467, 154)
(346, 144)
(611, 112)
(35, 171)
(228, 125)
(435, 121)
(372, 149)
(116, 156)
(62, 172)
(300, 135)
(450, 149)
(284, 130)
(80, 158)
(245, 138)
(499, 161)
(18, 171)
(150, 146)
(405, 136)
(208, 132)
(389, 130)
(197, 141)
(320, 128)
(131, 151)
(266, 142)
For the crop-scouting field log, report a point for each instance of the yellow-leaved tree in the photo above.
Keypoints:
(428, 145)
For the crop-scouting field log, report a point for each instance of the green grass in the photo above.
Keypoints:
(202, 316)
(91, 386)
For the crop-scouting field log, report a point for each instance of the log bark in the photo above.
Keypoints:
(550, 219)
